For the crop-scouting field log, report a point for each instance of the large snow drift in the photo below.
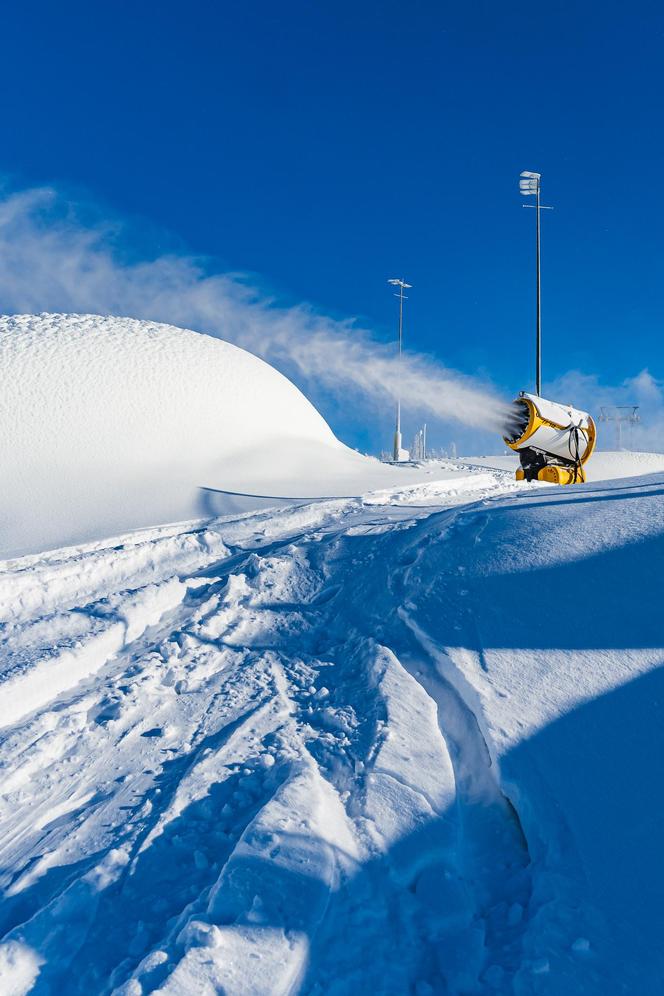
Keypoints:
(111, 423)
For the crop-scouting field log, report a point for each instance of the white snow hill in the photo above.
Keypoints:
(108, 424)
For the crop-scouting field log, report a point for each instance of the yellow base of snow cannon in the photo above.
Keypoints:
(553, 441)
(555, 474)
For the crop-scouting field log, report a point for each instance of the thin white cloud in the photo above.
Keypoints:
(52, 260)
(56, 255)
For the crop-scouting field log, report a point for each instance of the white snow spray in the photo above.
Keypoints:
(53, 260)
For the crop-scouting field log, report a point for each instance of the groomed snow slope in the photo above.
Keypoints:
(407, 744)
(108, 424)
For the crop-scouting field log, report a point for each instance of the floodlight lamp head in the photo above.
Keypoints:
(399, 283)
(529, 182)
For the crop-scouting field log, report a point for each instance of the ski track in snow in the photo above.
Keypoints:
(233, 761)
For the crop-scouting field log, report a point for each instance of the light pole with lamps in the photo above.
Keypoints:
(530, 183)
(402, 285)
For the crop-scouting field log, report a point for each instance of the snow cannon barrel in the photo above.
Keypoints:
(553, 441)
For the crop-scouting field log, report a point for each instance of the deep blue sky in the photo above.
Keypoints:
(327, 146)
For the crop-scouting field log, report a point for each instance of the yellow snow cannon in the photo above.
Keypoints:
(553, 441)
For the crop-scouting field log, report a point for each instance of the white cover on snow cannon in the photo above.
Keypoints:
(553, 440)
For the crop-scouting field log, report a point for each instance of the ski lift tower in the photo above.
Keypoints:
(620, 415)
(402, 285)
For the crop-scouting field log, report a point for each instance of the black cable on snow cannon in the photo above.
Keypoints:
(553, 441)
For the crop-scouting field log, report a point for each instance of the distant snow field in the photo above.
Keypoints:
(406, 739)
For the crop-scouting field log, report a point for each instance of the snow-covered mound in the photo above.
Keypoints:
(112, 423)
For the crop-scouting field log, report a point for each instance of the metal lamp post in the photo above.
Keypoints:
(402, 285)
(530, 184)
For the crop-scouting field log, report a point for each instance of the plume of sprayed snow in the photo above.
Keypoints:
(52, 260)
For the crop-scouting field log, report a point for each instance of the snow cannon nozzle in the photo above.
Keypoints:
(553, 440)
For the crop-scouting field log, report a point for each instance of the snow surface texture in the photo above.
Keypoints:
(411, 743)
(108, 424)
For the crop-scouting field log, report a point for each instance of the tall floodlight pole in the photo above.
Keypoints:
(538, 358)
(530, 184)
(402, 285)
